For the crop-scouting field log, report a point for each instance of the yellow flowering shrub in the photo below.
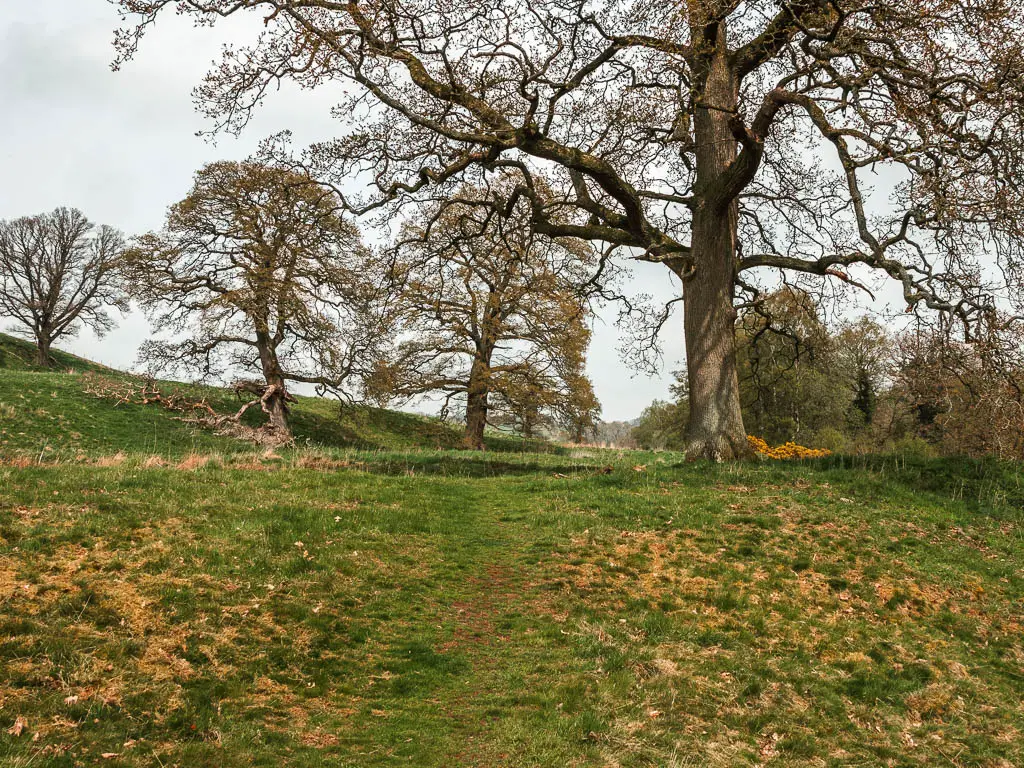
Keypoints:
(788, 450)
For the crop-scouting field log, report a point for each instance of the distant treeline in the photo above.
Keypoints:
(860, 387)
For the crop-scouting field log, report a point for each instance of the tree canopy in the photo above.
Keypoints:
(719, 138)
(491, 314)
(260, 272)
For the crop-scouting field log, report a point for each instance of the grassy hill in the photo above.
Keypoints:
(373, 600)
(54, 415)
(19, 355)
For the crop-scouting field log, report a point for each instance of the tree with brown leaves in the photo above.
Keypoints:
(491, 313)
(561, 403)
(578, 410)
(726, 140)
(58, 273)
(260, 270)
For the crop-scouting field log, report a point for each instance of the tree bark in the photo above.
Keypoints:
(527, 430)
(275, 406)
(43, 359)
(277, 410)
(476, 405)
(715, 427)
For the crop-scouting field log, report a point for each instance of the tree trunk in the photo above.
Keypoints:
(476, 406)
(476, 420)
(715, 427)
(275, 406)
(276, 409)
(530, 419)
(43, 359)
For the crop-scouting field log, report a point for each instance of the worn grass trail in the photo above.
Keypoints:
(281, 614)
(510, 610)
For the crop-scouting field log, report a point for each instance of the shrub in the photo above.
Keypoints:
(787, 450)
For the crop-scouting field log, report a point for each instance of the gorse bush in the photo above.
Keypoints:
(789, 450)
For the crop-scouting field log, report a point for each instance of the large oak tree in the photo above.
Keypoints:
(720, 138)
(58, 273)
(257, 270)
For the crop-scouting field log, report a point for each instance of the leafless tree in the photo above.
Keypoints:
(964, 398)
(725, 140)
(58, 273)
(261, 273)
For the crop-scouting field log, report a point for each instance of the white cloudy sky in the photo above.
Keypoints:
(122, 147)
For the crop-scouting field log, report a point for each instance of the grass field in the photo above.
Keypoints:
(370, 598)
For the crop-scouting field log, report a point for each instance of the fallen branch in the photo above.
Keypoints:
(194, 412)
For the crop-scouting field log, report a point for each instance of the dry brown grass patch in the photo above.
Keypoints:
(17, 462)
(659, 577)
(324, 463)
(8, 582)
(115, 460)
(319, 739)
(193, 462)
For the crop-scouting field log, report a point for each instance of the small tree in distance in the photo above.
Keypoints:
(578, 411)
(792, 382)
(562, 402)
(524, 404)
(58, 273)
(261, 272)
(491, 312)
(865, 352)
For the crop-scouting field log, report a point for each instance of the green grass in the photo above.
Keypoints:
(51, 415)
(377, 601)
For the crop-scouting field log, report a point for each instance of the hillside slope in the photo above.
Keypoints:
(19, 355)
(61, 414)
(636, 615)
